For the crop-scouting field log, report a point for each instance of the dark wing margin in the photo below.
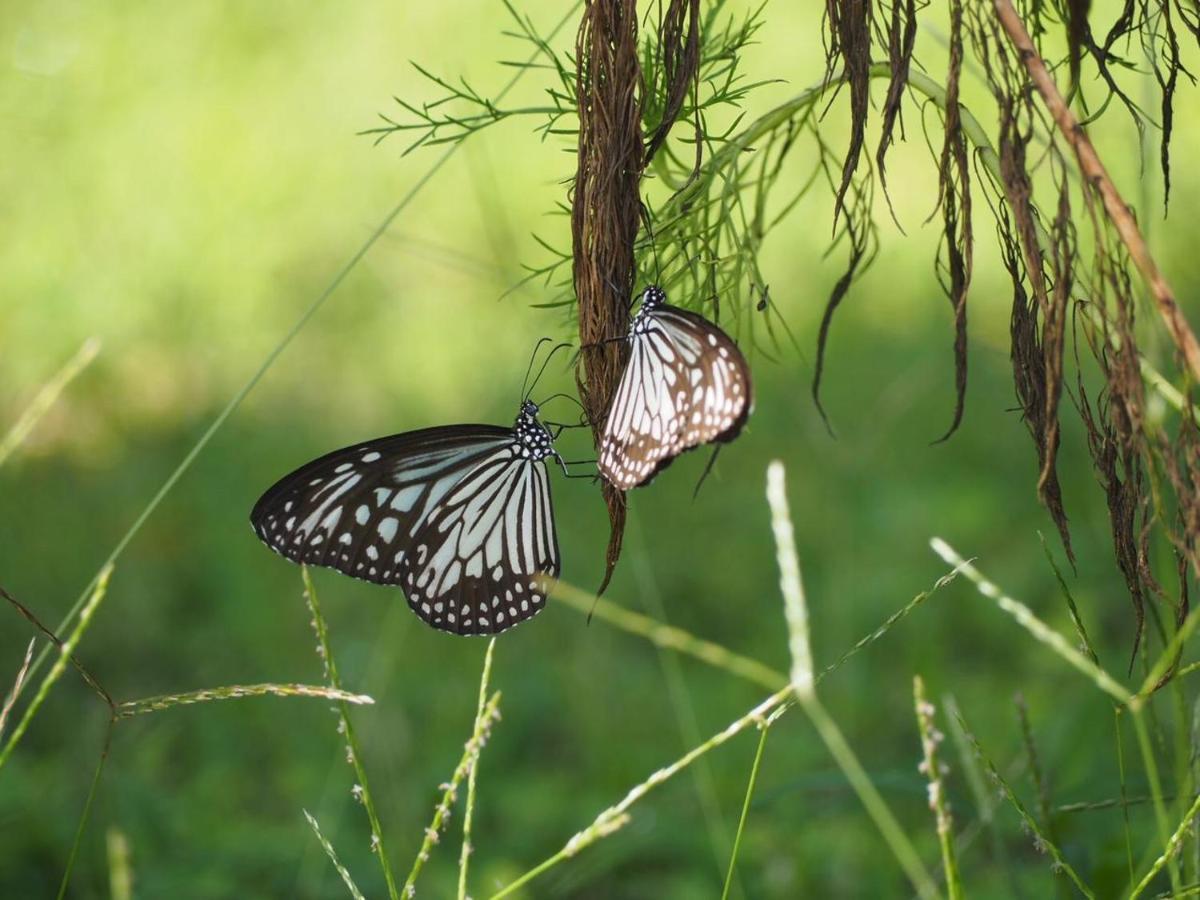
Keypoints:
(356, 509)
(478, 562)
(686, 384)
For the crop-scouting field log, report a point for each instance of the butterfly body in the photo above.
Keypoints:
(458, 516)
(686, 384)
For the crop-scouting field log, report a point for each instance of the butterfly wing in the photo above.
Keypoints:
(686, 384)
(476, 562)
(357, 509)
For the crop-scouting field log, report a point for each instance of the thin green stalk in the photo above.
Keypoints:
(468, 814)
(887, 625)
(46, 397)
(796, 615)
(617, 816)
(347, 879)
(1169, 841)
(441, 812)
(1035, 626)
(10, 699)
(669, 637)
(893, 834)
(87, 810)
(681, 702)
(277, 351)
(985, 802)
(1169, 654)
(60, 664)
(236, 692)
(795, 608)
(737, 838)
(346, 729)
(1076, 619)
(935, 771)
(1041, 840)
(1035, 766)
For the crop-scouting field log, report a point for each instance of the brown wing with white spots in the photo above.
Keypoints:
(356, 509)
(686, 384)
(476, 563)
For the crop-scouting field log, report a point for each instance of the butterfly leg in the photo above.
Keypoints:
(576, 462)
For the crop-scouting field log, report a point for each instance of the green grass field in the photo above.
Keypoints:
(184, 181)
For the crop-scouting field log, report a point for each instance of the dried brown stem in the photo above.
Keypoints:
(605, 212)
(1097, 176)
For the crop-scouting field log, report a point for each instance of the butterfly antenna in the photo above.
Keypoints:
(574, 400)
(545, 363)
(529, 368)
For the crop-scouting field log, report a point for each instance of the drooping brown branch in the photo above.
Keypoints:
(605, 213)
(679, 43)
(902, 36)
(850, 43)
(1097, 176)
(1038, 335)
(954, 196)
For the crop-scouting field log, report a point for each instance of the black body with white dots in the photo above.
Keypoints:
(458, 516)
(686, 384)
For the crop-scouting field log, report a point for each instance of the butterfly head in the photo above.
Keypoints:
(533, 441)
(653, 297)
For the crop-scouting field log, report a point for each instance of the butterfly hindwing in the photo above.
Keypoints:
(686, 384)
(477, 561)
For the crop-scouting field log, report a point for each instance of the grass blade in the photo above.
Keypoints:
(333, 858)
(1041, 841)
(794, 608)
(934, 770)
(617, 816)
(483, 730)
(737, 838)
(468, 813)
(235, 692)
(362, 790)
(10, 699)
(46, 398)
(1031, 623)
(60, 664)
(796, 614)
(669, 637)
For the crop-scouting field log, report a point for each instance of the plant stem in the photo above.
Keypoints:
(737, 838)
(934, 769)
(616, 816)
(46, 397)
(65, 655)
(468, 814)
(346, 729)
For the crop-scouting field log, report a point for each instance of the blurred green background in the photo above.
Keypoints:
(182, 180)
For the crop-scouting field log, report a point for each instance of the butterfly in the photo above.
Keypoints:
(458, 516)
(686, 384)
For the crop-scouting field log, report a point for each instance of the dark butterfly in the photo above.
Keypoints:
(458, 516)
(686, 384)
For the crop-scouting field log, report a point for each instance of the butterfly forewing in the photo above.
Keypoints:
(686, 384)
(356, 509)
(477, 562)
